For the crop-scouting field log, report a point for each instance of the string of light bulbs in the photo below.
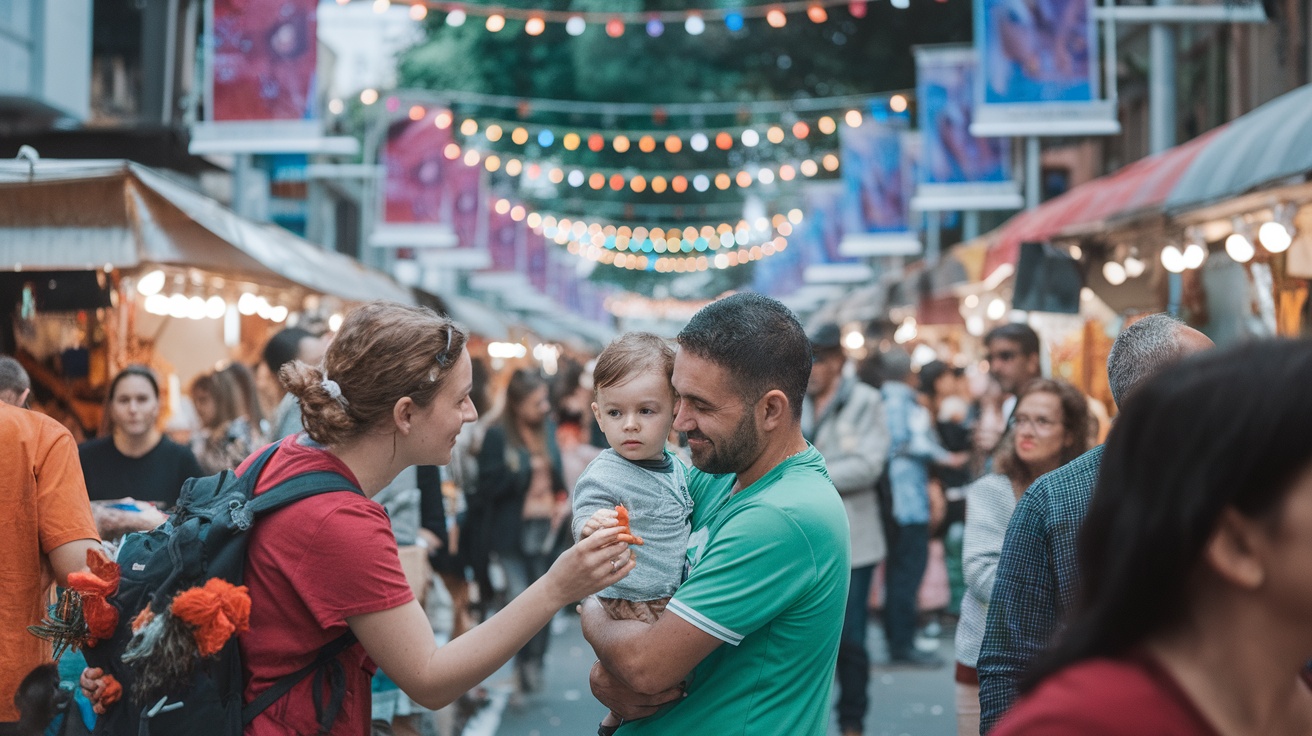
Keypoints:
(685, 264)
(724, 138)
(658, 181)
(525, 106)
(616, 24)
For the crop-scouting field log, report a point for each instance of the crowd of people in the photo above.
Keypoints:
(734, 499)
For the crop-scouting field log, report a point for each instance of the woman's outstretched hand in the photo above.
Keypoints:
(597, 562)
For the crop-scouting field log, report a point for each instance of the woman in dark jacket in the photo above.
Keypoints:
(522, 506)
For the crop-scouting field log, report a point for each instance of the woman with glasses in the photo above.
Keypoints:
(392, 392)
(1050, 429)
(1195, 598)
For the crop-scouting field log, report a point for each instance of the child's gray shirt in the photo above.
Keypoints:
(660, 512)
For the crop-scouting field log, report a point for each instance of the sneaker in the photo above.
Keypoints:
(918, 659)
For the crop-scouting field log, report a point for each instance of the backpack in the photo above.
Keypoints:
(204, 540)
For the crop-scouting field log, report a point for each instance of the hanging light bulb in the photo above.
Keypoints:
(750, 138)
(733, 21)
(699, 142)
(817, 13)
(1239, 247)
(1173, 259)
(1194, 255)
(456, 18)
(694, 24)
(535, 26)
(776, 18)
(1275, 237)
(857, 8)
(1134, 267)
(496, 22)
(655, 27)
(614, 28)
(1114, 273)
(575, 25)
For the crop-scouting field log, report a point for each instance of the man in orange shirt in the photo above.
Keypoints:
(46, 529)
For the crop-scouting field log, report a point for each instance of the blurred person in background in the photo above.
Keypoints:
(225, 437)
(248, 397)
(15, 385)
(523, 502)
(132, 458)
(1013, 356)
(941, 385)
(914, 448)
(1050, 430)
(292, 343)
(844, 419)
(1194, 590)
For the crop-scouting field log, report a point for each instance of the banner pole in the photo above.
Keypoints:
(1031, 172)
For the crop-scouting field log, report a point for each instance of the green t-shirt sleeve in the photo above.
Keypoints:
(756, 566)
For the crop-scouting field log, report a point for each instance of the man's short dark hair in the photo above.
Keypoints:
(283, 348)
(12, 375)
(758, 341)
(1018, 332)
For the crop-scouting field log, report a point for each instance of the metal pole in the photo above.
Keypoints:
(1161, 85)
(1031, 172)
(933, 236)
(969, 225)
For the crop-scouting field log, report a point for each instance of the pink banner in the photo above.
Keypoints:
(503, 242)
(537, 259)
(264, 60)
(416, 171)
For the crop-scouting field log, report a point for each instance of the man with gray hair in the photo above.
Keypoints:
(1037, 577)
(15, 386)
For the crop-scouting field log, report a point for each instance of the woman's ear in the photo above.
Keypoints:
(1233, 551)
(403, 414)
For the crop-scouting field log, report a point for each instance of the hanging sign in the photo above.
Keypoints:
(875, 206)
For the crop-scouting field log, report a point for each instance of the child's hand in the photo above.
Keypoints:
(601, 519)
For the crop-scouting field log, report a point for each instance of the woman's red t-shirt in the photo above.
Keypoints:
(1124, 696)
(309, 567)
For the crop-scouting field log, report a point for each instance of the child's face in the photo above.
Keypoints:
(636, 415)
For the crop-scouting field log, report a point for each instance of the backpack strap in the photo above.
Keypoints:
(284, 684)
(301, 487)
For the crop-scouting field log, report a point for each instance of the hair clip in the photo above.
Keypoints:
(334, 391)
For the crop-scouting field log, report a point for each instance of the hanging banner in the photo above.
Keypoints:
(821, 232)
(260, 88)
(958, 171)
(876, 206)
(1039, 70)
(423, 192)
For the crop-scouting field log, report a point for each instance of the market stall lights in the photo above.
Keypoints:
(1134, 267)
(1114, 273)
(576, 25)
(897, 103)
(546, 138)
(1173, 259)
(496, 22)
(151, 284)
(900, 4)
(776, 18)
(996, 310)
(335, 106)
(699, 142)
(1240, 248)
(535, 26)
(1076, 253)
(369, 96)
(734, 21)
(854, 340)
(614, 28)
(857, 8)
(971, 301)
(853, 118)
(750, 138)
(456, 18)
(694, 25)
(1275, 237)
(817, 13)
(655, 28)
(418, 12)
(1194, 255)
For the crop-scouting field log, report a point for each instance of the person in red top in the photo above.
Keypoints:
(393, 391)
(1194, 557)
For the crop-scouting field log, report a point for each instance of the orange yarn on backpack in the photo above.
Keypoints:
(216, 612)
(94, 587)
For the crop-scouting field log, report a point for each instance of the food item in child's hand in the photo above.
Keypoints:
(622, 516)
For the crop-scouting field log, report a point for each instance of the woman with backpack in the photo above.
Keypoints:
(393, 391)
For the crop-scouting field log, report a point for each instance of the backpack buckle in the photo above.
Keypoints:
(241, 516)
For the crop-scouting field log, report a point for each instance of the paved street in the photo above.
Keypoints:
(903, 702)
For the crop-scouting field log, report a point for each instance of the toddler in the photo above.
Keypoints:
(634, 405)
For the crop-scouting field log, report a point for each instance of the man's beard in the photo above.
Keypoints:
(734, 453)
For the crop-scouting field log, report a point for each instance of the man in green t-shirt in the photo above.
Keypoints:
(768, 556)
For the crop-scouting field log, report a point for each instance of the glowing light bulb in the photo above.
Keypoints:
(535, 26)
(496, 22)
(1275, 237)
(576, 25)
(1173, 259)
(456, 18)
(1114, 273)
(694, 25)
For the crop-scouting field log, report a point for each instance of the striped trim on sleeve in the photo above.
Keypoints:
(705, 624)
